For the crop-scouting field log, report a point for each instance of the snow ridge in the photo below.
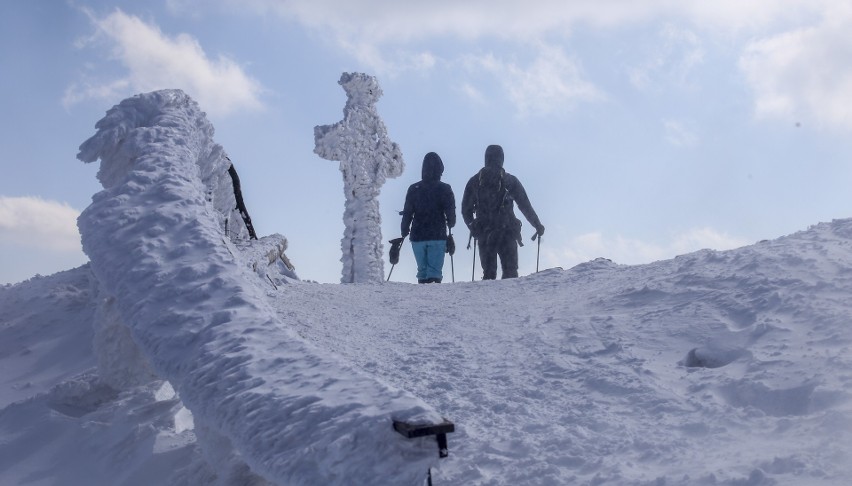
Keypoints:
(260, 395)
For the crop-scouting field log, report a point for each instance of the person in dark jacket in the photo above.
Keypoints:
(430, 208)
(488, 211)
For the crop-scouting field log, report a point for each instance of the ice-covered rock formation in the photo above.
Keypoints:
(367, 158)
(268, 407)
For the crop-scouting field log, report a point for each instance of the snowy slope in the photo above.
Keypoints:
(712, 368)
(45, 333)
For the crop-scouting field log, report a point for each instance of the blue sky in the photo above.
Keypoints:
(641, 130)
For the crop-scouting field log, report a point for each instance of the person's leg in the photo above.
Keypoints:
(435, 251)
(488, 259)
(508, 252)
(419, 249)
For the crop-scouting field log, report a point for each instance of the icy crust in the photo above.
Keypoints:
(293, 414)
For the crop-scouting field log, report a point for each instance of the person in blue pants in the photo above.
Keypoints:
(430, 209)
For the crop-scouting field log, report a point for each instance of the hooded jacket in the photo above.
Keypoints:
(490, 196)
(430, 206)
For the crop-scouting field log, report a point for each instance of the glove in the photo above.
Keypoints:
(451, 245)
(394, 250)
(539, 229)
(474, 229)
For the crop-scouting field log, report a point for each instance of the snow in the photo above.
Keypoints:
(181, 356)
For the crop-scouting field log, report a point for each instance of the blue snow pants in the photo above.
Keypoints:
(430, 259)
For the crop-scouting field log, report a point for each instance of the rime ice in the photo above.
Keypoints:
(367, 158)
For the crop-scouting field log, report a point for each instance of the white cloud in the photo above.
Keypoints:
(680, 133)
(389, 63)
(156, 61)
(551, 83)
(383, 34)
(392, 21)
(805, 74)
(671, 60)
(633, 251)
(34, 222)
(704, 238)
(472, 93)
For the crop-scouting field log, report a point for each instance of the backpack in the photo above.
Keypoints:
(491, 192)
(494, 204)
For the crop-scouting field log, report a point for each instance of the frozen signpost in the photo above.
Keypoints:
(367, 158)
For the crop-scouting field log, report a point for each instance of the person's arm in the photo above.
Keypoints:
(468, 206)
(519, 194)
(407, 212)
(450, 207)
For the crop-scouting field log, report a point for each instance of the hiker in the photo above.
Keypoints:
(430, 208)
(488, 211)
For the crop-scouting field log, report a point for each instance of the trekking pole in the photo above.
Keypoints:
(451, 245)
(473, 267)
(537, 252)
(390, 273)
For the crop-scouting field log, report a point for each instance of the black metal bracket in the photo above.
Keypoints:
(422, 430)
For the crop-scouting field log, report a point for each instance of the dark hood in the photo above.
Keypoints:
(494, 156)
(433, 167)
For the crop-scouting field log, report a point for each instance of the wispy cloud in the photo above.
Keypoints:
(154, 60)
(805, 74)
(36, 222)
(472, 93)
(552, 83)
(634, 251)
(670, 61)
(393, 22)
(801, 69)
(680, 133)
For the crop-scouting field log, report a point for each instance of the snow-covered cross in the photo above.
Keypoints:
(367, 158)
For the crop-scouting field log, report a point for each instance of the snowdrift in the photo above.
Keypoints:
(260, 395)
